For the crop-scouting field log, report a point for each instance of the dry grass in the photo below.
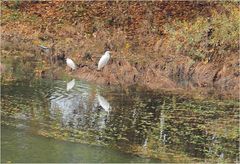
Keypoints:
(136, 31)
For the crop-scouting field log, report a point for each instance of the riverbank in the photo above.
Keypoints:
(158, 45)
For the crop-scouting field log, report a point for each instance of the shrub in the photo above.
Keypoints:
(206, 36)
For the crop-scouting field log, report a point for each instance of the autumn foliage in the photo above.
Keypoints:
(170, 38)
(134, 26)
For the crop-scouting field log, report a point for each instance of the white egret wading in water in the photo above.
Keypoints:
(71, 64)
(104, 60)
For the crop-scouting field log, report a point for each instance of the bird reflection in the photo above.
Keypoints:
(103, 103)
(145, 143)
(70, 84)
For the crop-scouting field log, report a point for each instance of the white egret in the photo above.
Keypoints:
(71, 64)
(104, 60)
(70, 84)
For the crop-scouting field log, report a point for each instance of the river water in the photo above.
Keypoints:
(61, 119)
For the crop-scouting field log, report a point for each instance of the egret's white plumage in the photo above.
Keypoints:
(71, 64)
(104, 60)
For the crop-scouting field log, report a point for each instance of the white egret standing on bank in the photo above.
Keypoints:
(104, 60)
(71, 64)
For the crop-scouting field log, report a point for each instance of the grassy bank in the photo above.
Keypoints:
(160, 44)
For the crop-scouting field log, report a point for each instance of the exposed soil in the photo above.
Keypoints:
(140, 54)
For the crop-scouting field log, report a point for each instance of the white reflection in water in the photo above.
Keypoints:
(70, 84)
(68, 109)
(145, 143)
(79, 108)
(103, 103)
(161, 124)
(134, 116)
(164, 138)
(221, 155)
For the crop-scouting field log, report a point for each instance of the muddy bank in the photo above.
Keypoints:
(173, 72)
(169, 73)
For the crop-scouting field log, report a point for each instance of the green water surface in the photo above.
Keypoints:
(61, 119)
